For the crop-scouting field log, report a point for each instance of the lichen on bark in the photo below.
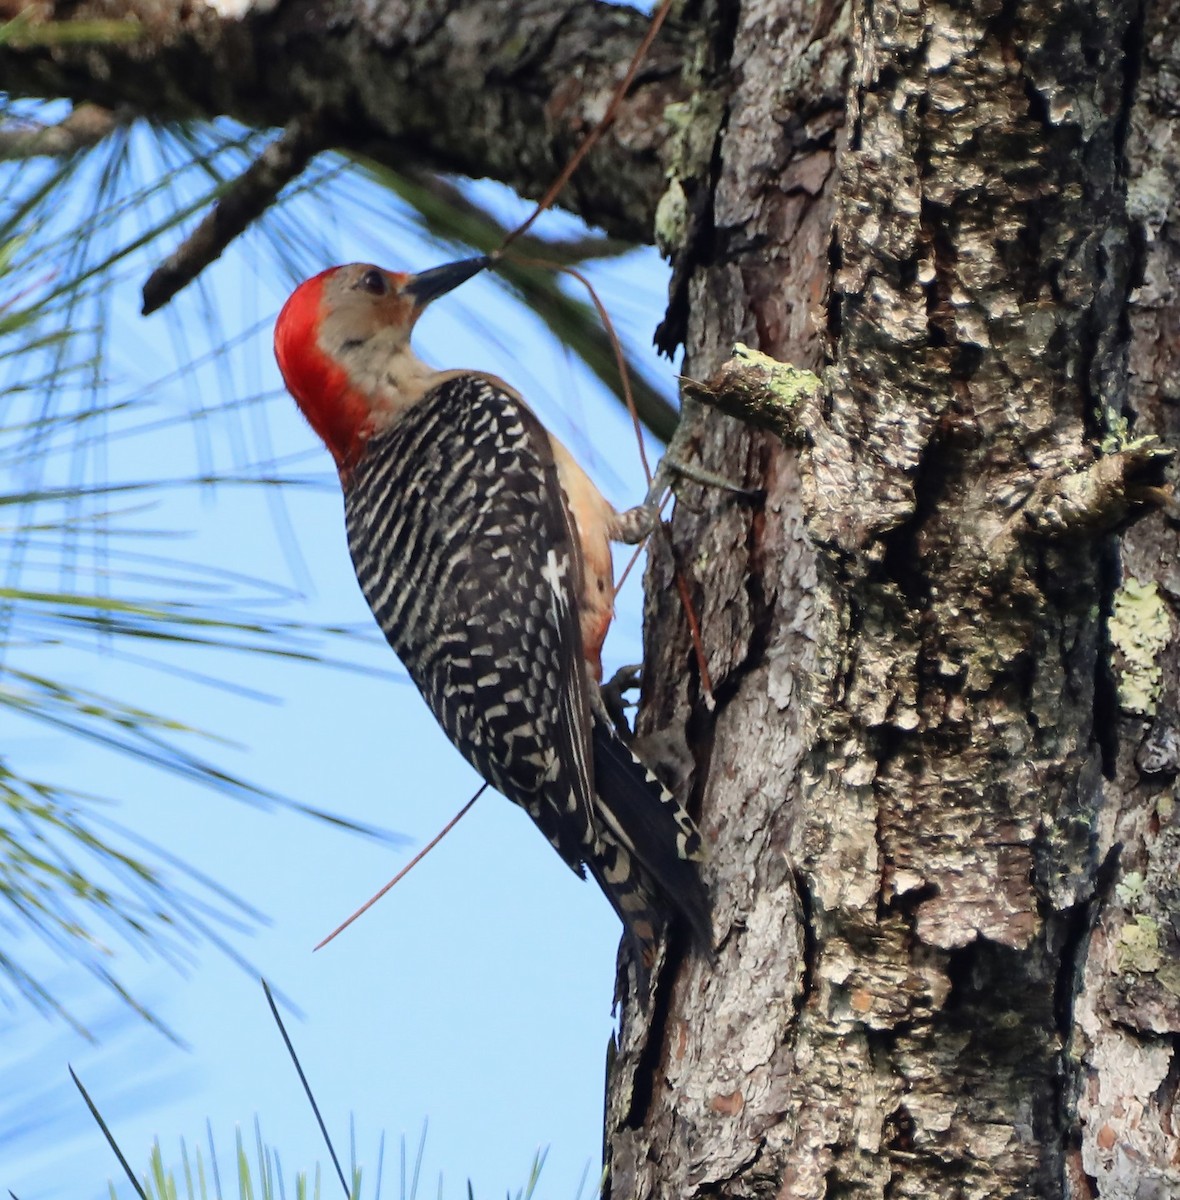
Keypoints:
(1140, 631)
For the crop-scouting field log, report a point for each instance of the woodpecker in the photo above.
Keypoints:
(483, 550)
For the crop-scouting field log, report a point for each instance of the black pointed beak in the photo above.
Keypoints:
(429, 285)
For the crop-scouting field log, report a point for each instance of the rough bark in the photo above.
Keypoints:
(1126, 1036)
(936, 976)
(499, 88)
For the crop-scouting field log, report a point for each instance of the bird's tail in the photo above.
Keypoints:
(649, 849)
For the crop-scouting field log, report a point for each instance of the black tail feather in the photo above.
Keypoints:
(651, 848)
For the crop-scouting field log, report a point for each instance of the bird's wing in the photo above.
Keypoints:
(465, 550)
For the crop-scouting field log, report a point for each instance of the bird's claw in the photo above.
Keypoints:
(612, 694)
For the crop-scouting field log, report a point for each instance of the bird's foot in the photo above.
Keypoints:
(612, 696)
(636, 523)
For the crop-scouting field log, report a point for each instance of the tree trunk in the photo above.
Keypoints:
(937, 976)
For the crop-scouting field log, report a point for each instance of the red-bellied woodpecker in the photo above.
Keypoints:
(483, 550)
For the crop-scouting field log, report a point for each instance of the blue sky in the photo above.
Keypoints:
(478, 994)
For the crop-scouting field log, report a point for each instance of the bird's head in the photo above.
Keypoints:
(342, 342)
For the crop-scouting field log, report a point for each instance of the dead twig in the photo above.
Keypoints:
(245, 199)
(85, 127)
(430, 845)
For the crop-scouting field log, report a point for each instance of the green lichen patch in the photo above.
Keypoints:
(760, 390)
(692, 126)
(1120, 440)
(1139, 946)
(692, 133)
(788, 384)
(1140, 630)
(671, 224)
(1130, 891)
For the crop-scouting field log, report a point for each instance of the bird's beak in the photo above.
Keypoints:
(440, 280)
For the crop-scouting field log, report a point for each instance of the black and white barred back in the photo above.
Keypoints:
(465, 551)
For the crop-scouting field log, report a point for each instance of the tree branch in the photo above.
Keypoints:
(86, 126)
(495, 88)
(759, 390)
(247, 198)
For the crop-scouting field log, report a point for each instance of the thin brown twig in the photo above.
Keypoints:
(621, 362)
(681, 584)
(615, 345)
(694, 630)
(430, 845)
(555, 188)
(630, 566)
(638, 551)
(545, 202)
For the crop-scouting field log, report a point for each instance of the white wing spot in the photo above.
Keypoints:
(553, 573)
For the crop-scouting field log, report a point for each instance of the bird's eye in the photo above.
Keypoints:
(373, 282)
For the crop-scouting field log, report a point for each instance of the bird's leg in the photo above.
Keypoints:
(633, 525)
